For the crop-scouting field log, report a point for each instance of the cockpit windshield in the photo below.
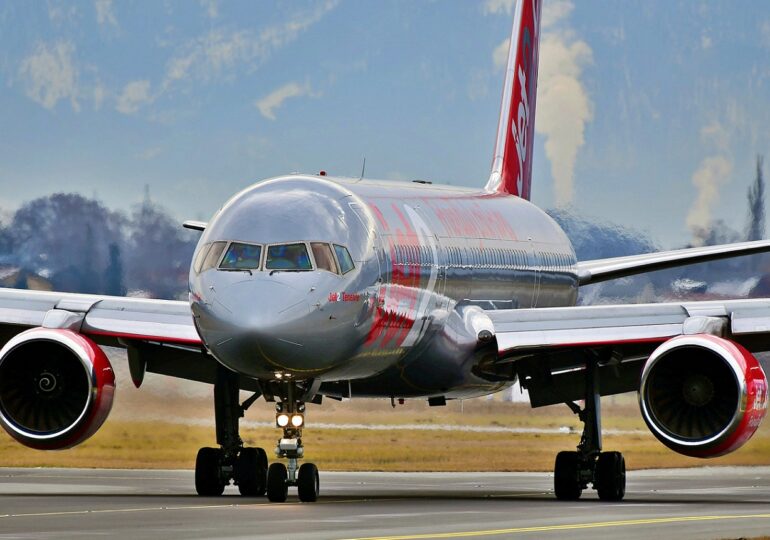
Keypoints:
(296, 257)
(241, 256)
(288, 257)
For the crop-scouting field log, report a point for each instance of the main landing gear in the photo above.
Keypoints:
(216, 467)
(573, 471)
(290, 416)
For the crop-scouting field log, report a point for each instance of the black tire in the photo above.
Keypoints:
(277, 488)
(611, 476)
(566, 484)
(308, 484)
(252, 472)
(208, 472)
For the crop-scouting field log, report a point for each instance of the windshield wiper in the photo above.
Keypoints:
(237, 270)
(286, 270)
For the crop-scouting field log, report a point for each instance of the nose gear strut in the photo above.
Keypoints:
(289, 446)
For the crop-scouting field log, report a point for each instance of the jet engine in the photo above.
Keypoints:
(56, 388)
(702, 395)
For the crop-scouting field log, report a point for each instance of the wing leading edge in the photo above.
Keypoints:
(100, 317)
(547, 348)
(605, 269)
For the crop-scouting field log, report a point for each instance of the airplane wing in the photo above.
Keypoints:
(617, 267)
(159, 334)
(546, 348)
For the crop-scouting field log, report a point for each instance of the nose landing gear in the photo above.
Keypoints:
(290, 416)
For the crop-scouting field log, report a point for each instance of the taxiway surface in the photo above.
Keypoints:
(683, 504)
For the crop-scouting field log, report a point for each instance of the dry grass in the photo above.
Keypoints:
(127, 443)
(163, 424)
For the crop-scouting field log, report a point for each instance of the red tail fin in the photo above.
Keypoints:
(512, 160)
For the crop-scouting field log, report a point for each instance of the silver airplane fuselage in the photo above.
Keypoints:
(407, 320)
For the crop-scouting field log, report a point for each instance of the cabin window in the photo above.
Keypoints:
(213, 256)
(344, 258)
(240, 256)
(288, 257)
(324, 259)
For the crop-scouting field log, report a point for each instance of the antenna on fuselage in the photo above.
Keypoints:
(363, 169)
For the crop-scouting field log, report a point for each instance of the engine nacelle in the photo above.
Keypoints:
(56, 388)
(702, 395)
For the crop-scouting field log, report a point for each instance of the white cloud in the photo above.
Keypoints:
(135, 94)
(477, 85)
(99, 94)
(554, 12)
(712, 172)
(494, 7)
(500, 54)
(50, 75)
(716, 135)
(268, 104)
(764, 33)
(150, 153)
(563, 104)
(59, 14)
(104, 13)
(211, 7)
(217, 53)
(705, 41)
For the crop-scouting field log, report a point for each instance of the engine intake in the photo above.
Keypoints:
(702, 395)
(56, 388)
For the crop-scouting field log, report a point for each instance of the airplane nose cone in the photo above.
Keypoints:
(261, 327)
(262, 322)
(263, 306)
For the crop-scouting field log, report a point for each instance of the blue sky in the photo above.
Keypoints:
(649, 113)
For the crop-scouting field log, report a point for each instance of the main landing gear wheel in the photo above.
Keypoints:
(606, 471)
(610, 476)
(215, 468)
(277, 485)
(208, 478)
(252, 472)
(308, 484)
(566, 479)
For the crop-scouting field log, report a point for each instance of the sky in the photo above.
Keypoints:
(649, 113)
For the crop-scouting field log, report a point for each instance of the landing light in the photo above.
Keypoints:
(297, 420)
(282, 419)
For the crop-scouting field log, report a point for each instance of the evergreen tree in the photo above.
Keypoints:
(89, 277)
(113, 276)
(756, 226)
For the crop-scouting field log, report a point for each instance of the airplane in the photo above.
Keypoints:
(308, 286)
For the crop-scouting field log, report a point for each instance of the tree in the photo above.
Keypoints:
(755, 229)
(113, 276)
(67, 236)
(159, 253)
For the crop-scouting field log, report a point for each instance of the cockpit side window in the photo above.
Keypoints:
(200, 257)
(288, 257)
(324, 260)
(240, 256)
(344, 258)
(212, 257)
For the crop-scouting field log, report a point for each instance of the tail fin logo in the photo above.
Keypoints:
(519, 127)
(512, 161)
